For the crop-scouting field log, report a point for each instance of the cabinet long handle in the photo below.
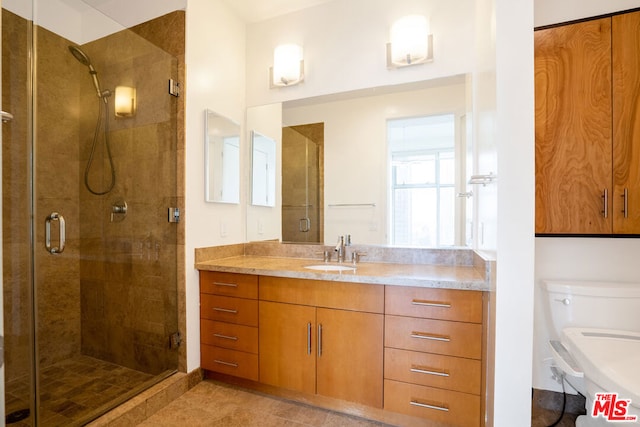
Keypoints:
(225, 310)
(429, 406)
(431, 303)
(231, 285)
(226, 337)
(222, 362)
(428, 336)
(625, 202)
(309, 338)
(319, 339)
(605, 203)
(429, 371)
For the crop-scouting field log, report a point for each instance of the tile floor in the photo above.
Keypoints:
(72, 390)
(214, 404)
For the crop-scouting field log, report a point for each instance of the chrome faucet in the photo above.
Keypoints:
(340, 248)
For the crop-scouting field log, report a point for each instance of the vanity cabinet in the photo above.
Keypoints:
(229, 324)
(406, 354)
(323, 338)
(587, 84)
(434, 354)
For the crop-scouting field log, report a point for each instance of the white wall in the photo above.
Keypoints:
(215, 62)
(345, 46)
(575, 258)
(515, 213)
(356, 153)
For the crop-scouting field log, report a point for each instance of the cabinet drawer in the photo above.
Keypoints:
(448, 372)
(434, 336)
(228, 309)
(229, 335)
(443, 406)
(229, 284)
(429, 303)
(327, 294)
(231, 362)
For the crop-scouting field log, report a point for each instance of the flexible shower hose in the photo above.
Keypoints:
(103, 111)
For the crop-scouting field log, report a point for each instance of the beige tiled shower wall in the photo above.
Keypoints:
(128, 268)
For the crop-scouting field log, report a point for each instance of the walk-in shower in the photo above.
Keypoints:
(90, 326)
(102, 125)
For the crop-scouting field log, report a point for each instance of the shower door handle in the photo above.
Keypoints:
(54, 216)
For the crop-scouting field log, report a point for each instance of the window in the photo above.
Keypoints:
(423, 171)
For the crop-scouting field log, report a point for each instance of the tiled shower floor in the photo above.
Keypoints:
(73, 389)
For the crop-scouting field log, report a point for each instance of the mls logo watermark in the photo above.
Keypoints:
(609, 406)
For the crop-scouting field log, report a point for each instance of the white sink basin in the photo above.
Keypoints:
(329, 267)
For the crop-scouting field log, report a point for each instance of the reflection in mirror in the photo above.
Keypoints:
(302, 183)
(263, 170)
(423, 169)
(222, 159)
(382, 171)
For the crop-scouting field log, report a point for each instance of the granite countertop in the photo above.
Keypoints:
(424, 275)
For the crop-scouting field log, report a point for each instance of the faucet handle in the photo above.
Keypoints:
(326, 255)
(355, 256)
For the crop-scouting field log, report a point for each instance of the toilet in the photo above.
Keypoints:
(595, 343)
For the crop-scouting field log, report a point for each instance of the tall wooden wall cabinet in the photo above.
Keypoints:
(587, 96)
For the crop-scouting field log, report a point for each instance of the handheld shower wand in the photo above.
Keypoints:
(103, 121)
(83, 58)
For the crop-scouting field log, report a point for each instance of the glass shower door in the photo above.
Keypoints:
(90, 255)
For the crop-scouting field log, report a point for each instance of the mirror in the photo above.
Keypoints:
(222, 159)
(263, 170)
(363, 159)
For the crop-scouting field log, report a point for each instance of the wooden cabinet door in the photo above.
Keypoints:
(573, 128)
(350, 356)
(626, 123)
(287, 346)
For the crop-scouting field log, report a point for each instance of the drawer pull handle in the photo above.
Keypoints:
(230, 285)
(433, 337)
(225, 310)
(441, 407)
(225, 337)
(429, 371)
(222, 362)
(309, 338)
(426, 303)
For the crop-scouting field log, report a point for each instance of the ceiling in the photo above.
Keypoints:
(260, 10)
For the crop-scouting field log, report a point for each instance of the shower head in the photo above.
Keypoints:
(80, 56)
(83, 58)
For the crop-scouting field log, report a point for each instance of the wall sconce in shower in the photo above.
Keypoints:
(288, 66)
(411, 43)
(125, 101)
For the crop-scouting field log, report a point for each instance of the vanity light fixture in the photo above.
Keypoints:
(125, 101)
(288, 66)
(411, 43)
